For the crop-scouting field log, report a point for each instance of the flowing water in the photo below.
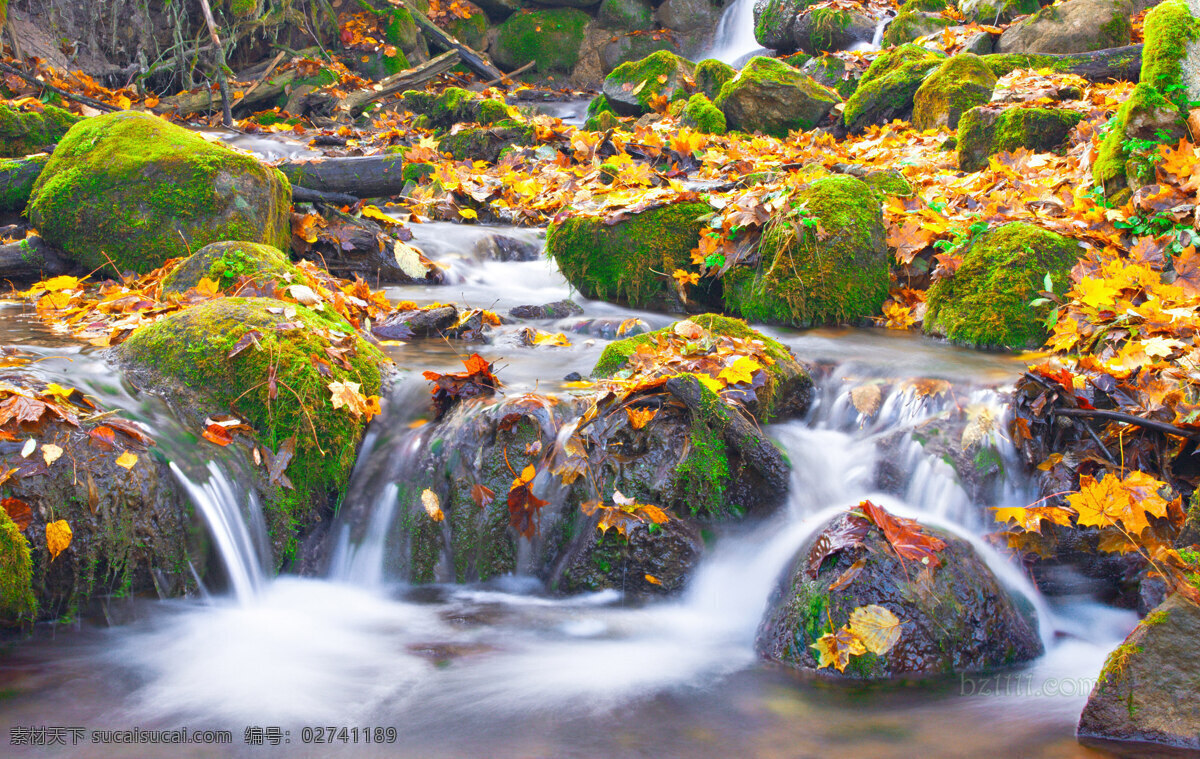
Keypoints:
(733, 41)
(503, 669)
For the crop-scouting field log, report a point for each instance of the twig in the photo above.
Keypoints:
(274, 62)
(222, 69)
(509, 76)
(307, 195)
(97, 104)
(1117, 416)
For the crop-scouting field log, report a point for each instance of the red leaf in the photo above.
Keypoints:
(905, 535)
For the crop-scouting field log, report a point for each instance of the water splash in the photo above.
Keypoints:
(734, 41)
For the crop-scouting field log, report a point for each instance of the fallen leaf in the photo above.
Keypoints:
(51, 453)
(58, 537)
(433, 508)
(877, 628)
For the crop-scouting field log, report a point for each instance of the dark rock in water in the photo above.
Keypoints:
(559, 309)
(511, 249)
(406, 325)
(955, 617)
(573, 377)
(651, 561)
(1149, 688)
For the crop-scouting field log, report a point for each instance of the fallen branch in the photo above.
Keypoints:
(97, 104)
(356, 102)
(361, 176)
(508, 77)
(308, 195)
(1116, 416)
(198, 102)
(474, 60)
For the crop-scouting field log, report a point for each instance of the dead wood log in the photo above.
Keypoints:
(474, 60)
(360, 176)
(412, 78)
(204, 100)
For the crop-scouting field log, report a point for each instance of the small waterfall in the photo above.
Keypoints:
(240, 538)
(734, 39)
(363, 564)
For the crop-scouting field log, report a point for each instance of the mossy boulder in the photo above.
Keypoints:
(1075, 26)
(887, 89)
(824, 30)
(632, 47)
(484, 143)
(774, 21)
(771, 97)
(133, 530)
(826, 262)
(909, 26)
(985, 131)
(711, 75)
(1150, 685)
(958, 85)
(552, 39)
(889, 182)
(830, 71)
(786, 387)
(986, 302)
(954, 618)
(1172, 44)
(996, 11)
(453, 105)
(17, 178)
(23, 133)
(129, 190)
(276, 384)
(700, 114)
(17, 603)
(225, 263)
(631, 86)
(617, 262)
(630, 15)
(1148, 117)
(471, 30)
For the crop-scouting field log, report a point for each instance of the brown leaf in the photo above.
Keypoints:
(524, 508)
(848, 534)
(279, 462)
(18, 511)
(905, 535)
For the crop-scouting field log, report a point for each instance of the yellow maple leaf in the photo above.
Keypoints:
(58, 537)
(876, 626)
(1099, 293)
(346, 395)
(742, 370)
(685, 278)
(836, 648)
(866, 399)
(373, 212)
(468, 213)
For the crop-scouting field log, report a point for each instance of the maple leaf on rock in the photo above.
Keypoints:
(906, 536)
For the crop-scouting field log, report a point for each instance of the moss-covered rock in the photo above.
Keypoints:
(631, 86)
(1170, 32)
(909, 26)
(787, 385)
(129, 190)
(774, 21)
(889, 182)
(225, 263)
(700, 114)
(1075, 26)
(984, 131)
(830, 71)
(1150, 684)
(823, 262)
(631, 15)
(25, 132)
(771, 97)
(600, 115)
(471, 30)
(823, 30)
(454, 105)
(17, 177)
(996, 11)
(596, 560)
(632, 47)
(955, 618)
(484, 144)
(711, 75)
(958, 85)
(688, 18)
(553, 39)
(17, 603)
(887, 89)
(986, 303)
(273, 384)
(618, 262)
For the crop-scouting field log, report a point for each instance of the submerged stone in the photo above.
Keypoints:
(128, 191)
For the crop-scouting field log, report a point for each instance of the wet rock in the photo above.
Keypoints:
(711, 75)
(277, 382)
(559, 309)
(610, 261)
(773, 22)
(631, 86)
(1148, 116)
(806, 279)
(887, 89)
(823, 30)
(687, 15)
(225, 263)
(406, 325)
(484, 144)
(133, 531)
(996, 11)
(701, 115)
(651, 561)
(23, 133)
(1150, 685)
(986, 302)
(959, 84)
(552, 39)
(911, 26)
(1075, 26)
(136, 190)
(454, 106)
(631, 15)
(984, 131)
(771, 97)
(830, 71)
(954, 618)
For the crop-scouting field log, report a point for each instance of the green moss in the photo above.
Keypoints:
(889, 85)
(192, 347)
(780, 374)
(416, 172)
(659, 74)
(226, 262)
(1109, 170)
(826, 23)
(958, 85)
(771, 97)
(17, 177)
(472, 30)
(986, 302)
(1168, 28)
(1114, 666)
(130, 190)
(1156, 618)
(774, 16)
(1002, 12)
(926, 6)
(552, 39)
(982, 133)
(830, 71)
(701, 115)
(803, 280)
(17, 603)
(633, 15)
(704, 471)
(889, 182)
(25, 132)
(711, 75)
(912, 25)
(243, 8)
(616, 262)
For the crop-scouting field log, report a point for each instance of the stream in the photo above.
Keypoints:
(503, 669)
